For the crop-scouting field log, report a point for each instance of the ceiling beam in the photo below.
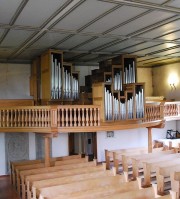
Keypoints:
(63, 12)
(146, 5)
(13, 19)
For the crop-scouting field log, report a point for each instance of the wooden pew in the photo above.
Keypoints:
(101, 192)
(73, 161)
(41, 165)
(37, 185)
(22, 168)
(150, 166)
(50, 192)
(24, 173)
(163, 173)
(55, 174)
(125, 158)
(147, 193)
(175, 184)
(18, 163)
(136, 161)
(109, 156)
(13, 164)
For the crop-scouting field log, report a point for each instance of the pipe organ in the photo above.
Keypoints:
(58, 82)
(122, 98)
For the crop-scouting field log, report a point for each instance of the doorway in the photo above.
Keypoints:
(83, 143)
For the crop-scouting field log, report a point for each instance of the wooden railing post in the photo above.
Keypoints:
(47, 150)
(162, 110)
(53, 116)
(149, 140)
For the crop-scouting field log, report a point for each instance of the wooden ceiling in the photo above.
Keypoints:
(89, 31)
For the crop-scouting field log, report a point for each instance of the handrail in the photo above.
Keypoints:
(49, 116)
(53, 118)
(163, 110)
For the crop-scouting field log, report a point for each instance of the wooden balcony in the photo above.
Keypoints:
(79, 118)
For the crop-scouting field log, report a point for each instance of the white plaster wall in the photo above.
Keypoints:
(60, 145)
(129, 139)
(14, 81)
(2, 155)
(14, 84)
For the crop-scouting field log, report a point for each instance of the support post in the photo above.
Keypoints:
(47, 151)
(149, 140)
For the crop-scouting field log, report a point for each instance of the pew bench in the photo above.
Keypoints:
(37, 185)
(14, 164)
(109, 154)
(50, 192)
(124, 159)
(47, 170)
(163, 175)
(41, 165)
(137, 160)
(175, 183)
(36, 175)
(150, 166)
(101, 192)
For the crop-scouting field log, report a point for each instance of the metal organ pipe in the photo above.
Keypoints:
(108, 104)
(140, 104)
(75, 88)
(55, 78)
(122, 110)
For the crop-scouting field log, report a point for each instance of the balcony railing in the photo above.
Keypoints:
(162, 111)
(80, 117)
(49, 116)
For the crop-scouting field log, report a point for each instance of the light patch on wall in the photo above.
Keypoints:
(173, 80)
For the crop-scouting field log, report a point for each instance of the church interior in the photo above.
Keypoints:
(89, 99)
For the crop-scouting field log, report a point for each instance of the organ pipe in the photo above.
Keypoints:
(140, 104)
(108, 104)
(62, 80)
(129, 73)
(55, 78)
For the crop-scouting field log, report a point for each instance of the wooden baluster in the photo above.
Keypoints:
(98, 116)
(79, 117)
(87, 117)
(15, 118)
(33, 116)
(36, 118)
(30, 117)
(25, 117)
(62, 116)
(45, 118)
(70, 116)
(48, 118)
(39, 117)
(7, 118)
(95, 117)
(22, 117)
(18, 117)
(42, 117)
(91, 118)
(75, 118)
(67, 124)
(83, 119)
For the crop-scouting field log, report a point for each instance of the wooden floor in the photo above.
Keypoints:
(6, 190)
